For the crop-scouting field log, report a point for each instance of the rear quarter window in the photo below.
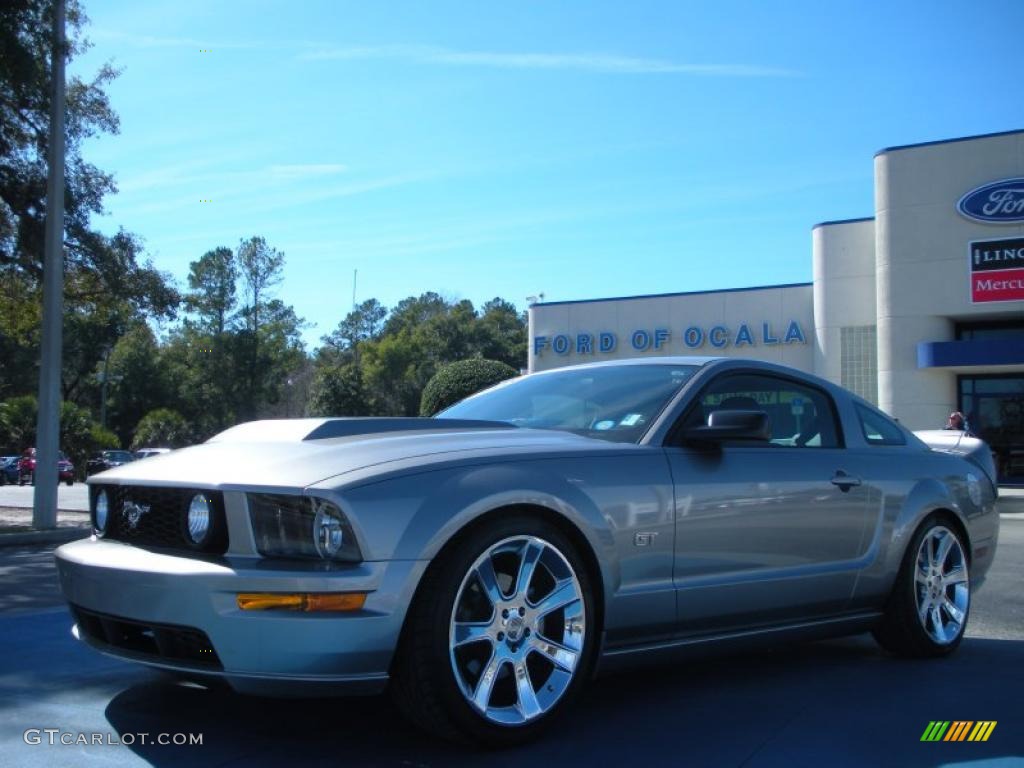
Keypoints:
(879, 429)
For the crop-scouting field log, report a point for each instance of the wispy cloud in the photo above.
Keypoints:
(259, 192)
(184, 174)
(584, 62)
(158, 41)
(306, 170)
(607, 63)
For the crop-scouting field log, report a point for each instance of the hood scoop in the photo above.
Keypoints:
(373, 426)
(302, 430)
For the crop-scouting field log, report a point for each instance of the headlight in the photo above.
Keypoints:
(199, 519)
(102, 512)
(301, 526)
(328, 529)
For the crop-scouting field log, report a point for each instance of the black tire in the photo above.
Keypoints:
(902, 631)
(424, 684)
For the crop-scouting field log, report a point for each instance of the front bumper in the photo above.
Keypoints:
(265, 652)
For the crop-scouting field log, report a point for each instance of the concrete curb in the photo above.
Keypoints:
(1012, 502)
(55, 536)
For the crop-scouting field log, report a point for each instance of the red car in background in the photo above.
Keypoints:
(27, 468)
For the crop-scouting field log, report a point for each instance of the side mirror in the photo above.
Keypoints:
(731, 425)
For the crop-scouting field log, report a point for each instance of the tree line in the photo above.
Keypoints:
(149, 361)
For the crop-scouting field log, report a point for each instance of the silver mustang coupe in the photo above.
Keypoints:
(488, 562)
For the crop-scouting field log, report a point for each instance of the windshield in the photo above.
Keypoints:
(616, 403)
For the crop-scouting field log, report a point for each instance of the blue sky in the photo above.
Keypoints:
(579, 149)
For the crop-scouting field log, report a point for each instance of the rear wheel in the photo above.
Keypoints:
(927, 612)
(501, 636)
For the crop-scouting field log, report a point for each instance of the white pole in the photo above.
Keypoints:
(44, 510)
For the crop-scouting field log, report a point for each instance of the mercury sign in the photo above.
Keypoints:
(999, 202)
(997, 270)
(664, 340)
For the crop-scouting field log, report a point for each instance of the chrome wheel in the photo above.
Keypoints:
(517, 630)
(941, 585)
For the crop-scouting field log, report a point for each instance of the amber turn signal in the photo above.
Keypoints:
(305, 601)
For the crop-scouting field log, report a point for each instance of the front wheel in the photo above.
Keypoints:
(927, 612)
(501, 637)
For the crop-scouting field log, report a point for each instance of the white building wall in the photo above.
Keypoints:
(844, 288)
(922, 269)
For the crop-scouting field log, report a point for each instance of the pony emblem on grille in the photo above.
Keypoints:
(133, 512)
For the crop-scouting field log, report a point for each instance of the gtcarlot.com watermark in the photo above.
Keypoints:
(57, 737)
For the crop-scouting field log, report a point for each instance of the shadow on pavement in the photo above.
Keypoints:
(28, 579)
(839, 702)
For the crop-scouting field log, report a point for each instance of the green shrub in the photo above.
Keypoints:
(338, 390)
(457, 381)
(163, 428)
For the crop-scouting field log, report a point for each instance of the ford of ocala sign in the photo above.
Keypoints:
(691, 337)
(999, 202)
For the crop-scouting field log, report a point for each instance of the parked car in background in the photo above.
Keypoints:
(27, 468)
(145, 453)
(9, 469)
(484, 562)
(108, 460)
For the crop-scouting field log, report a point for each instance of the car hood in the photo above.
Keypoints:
(297, 453)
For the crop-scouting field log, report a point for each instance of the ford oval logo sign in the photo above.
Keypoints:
(1000, 202)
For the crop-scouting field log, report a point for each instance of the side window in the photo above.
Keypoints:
(878, 429)
(800, 416)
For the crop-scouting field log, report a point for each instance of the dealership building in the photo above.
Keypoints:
(919, 309)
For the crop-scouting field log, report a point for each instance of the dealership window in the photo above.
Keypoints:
(996, 331)
(800, 416)
(858, 360)
(994, 407)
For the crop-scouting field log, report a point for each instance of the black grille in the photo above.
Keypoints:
(158, 517)
(156, 642)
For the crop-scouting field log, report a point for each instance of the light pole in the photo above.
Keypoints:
(104, 378)
(44, 509)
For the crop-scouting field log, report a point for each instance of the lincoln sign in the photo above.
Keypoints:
(997, 270)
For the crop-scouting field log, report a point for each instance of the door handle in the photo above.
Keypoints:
(844, 481)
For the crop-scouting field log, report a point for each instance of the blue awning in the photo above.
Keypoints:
(946, 354)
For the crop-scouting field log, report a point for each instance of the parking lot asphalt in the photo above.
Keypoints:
(837, 703)
(73, 497)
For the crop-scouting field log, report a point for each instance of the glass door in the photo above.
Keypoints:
(994, 406)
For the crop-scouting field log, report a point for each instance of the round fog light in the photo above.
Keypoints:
(327, 531)
(198, 519)
(102, 512)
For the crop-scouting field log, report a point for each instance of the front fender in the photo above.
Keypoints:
(468, 495)
(607, 496)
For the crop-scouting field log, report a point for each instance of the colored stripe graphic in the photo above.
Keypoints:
(982, 730)
(935, 730)
(959, 730)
